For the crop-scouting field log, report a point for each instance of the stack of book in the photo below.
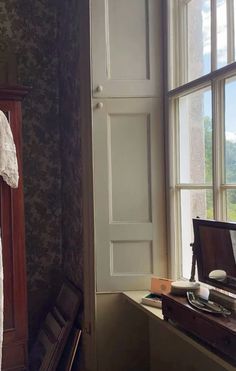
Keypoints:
(158, 287)
(153, 300)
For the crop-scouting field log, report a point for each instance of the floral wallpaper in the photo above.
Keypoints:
(69, 109)
(44, 36)
(71, 175)
(30, 26)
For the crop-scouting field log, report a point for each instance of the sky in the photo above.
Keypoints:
(230, 91)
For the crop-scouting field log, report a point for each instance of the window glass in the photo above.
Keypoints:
(230, 131)
(193, 203)
(199, 38)
(234, 29)
(221, 33)
(195, 137)
(192, 133)
(231, 204)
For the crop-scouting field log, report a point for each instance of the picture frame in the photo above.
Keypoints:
(58, 339)
(70, 351)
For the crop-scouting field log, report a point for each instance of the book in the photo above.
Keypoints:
(154, 300)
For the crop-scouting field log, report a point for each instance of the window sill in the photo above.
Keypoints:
(135, 298)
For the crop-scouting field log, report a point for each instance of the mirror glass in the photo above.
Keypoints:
(215, 248)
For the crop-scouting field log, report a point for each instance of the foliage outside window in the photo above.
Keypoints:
(202, 118)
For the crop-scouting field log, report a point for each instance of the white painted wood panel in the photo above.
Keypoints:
(126, 48)
(122, 335)
(128, 153)
(131, 257)
(132, 22)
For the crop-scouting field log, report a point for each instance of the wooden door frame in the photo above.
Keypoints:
(89, 286)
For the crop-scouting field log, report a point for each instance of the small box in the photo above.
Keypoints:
(153, 300)
(160, 285)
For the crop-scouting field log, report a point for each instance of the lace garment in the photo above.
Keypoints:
(8, 159)
(9, 172)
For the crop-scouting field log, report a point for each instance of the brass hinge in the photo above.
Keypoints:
(88, 329)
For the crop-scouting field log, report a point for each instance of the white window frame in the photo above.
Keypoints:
(216, 80)
(177, 21)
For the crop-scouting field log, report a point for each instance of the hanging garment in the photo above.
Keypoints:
(9, 172)
(8, 159)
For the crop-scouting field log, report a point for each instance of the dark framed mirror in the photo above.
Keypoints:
(215, 251)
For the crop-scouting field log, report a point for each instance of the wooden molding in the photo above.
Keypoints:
(16, 92)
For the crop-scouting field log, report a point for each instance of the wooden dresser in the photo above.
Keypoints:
(13, 245)
(216, 331)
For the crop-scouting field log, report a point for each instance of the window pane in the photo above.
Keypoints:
(230, 131)
(199, 38)
(221, 33)
(193, 203)
(195, 145)
(231, 204)
(235, 29)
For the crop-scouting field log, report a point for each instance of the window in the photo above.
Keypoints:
(202, 118)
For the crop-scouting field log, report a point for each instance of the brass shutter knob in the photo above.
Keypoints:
(99, 105)
(99, 89)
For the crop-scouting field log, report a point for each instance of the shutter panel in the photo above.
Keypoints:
(128, 152)
(126, 41)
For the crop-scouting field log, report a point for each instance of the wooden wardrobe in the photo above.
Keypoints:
(13, 245)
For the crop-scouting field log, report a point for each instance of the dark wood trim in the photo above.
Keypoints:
(87, 186)
(13, 92)
(14, 260)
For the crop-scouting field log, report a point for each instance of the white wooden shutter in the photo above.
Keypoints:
(128, 151)
(126, 40)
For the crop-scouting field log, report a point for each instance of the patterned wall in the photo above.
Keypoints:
(69, 112)
(71, 140)
(31, 27)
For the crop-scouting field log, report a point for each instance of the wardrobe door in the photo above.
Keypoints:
(126, 44)
(12, 233)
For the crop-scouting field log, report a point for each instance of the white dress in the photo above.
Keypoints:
(9, 172)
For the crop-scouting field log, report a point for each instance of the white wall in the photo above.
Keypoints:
(122, 335)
